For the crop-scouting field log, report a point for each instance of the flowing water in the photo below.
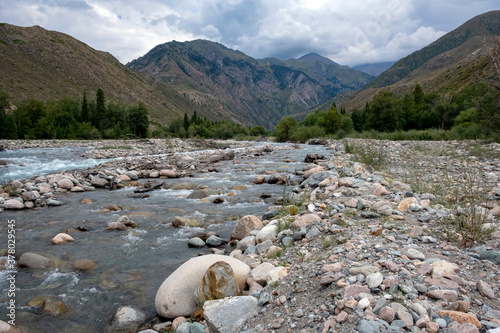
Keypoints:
(131, 264)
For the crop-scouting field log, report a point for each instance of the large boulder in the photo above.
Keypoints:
(245, 225)
(175, 297)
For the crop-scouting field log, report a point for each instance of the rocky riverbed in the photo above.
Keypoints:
(353, 246)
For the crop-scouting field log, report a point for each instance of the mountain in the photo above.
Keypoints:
(374, 69)
(231, 85)
(48, 65)
(452, 62)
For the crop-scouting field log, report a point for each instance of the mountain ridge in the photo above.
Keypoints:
(228, 82)
(450, 63)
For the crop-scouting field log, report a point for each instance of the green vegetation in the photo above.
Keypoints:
(472, 113)
(469, 223)
(67, 118)
(318, 124)
(197, 127)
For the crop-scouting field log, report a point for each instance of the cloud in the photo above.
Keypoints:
(348, 32)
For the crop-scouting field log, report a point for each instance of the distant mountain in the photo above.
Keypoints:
(49, 65)
(374, 69)
(452, 62)
(231, 85)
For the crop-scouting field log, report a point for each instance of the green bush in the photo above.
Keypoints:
(304, 133)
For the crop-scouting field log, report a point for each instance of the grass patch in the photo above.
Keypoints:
(467, 197)
(18, 42)
(368, 153)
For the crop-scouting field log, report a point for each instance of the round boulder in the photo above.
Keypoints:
(175, 297)
(245, 225)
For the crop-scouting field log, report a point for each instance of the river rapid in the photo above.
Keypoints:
(131, 264)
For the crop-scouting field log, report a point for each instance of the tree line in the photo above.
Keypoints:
(195, 126)
(471, 113)
(69, 118)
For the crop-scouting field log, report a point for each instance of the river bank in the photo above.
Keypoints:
(363, 253)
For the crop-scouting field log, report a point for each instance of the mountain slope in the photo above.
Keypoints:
(49, 65)
(482, 25)
(374, 69)
(452, 62)
(232, 85)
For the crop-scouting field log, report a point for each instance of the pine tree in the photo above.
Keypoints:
(85, 115)
(100, 109)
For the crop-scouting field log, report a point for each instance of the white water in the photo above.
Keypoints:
(26, 163)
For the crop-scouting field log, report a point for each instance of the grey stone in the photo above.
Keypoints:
(314, 180)
(424, 217)
(415, 254)
(229, 315)
(380, 304)
(214, 241)
(196, 242)
(299, 313)
(385, 210)
(246, 242)
(313, 232)
(183, 327)
(493, 256)
(366, 326)
(441, 322)
(494, 314)
(132, 175)
(52, 202)
(263, 247)
(34, 261)
(367, 214)
(197, 328)
(365, 270)
(287, 241)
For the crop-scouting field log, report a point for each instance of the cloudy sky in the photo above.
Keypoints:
(350, 32)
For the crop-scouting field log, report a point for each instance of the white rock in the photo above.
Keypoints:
(269, 232)
(174, 298)
(276, 274)
(364, 303)
(415, 254)
(260, 273)
(443, 267)
(374, 280)
(13, 204)
(62, 238)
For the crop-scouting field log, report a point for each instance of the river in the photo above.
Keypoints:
(131, 264)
